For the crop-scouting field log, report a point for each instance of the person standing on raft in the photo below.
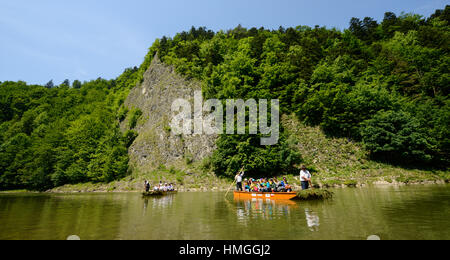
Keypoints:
(238, 179)
(305, 178)
(147, 186)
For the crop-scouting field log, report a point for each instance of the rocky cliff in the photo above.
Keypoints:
(156, 145)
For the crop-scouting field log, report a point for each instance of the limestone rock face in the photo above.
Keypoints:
(156, 144)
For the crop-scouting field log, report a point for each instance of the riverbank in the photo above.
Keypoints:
(194, 179)
(105, 188)
(102, 188)
(212, 183)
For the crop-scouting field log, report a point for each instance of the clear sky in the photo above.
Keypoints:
(86, 39)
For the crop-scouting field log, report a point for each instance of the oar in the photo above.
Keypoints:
(311, 185)
(234, 182)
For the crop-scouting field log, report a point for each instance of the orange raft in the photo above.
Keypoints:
(265, 195)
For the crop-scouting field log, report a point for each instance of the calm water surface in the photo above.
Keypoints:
(414, 212)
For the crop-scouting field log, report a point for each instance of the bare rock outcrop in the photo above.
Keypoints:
(156, 145)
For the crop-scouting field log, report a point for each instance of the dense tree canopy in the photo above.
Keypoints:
(384, 84)
(51, 136)
(374, 79)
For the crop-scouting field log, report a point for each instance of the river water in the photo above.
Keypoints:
(411, 212)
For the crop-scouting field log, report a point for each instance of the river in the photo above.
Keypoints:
(410, 212)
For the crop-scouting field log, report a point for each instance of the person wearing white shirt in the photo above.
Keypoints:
(238, 179)
(305, 178)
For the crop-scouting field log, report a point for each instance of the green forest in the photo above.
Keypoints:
(383, 84)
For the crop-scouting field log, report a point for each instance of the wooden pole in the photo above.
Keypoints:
(230, 188)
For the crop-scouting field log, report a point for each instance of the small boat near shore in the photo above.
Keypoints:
(158, 193)
(265, 195)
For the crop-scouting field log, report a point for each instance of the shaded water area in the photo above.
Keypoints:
(412, 212)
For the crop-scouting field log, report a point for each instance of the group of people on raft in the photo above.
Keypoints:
(249, 185)
(271, 185)
(161, 187)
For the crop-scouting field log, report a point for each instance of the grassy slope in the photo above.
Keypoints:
(337, 161)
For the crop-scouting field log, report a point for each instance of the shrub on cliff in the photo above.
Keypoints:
(237, 151)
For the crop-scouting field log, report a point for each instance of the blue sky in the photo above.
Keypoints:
(85, 39)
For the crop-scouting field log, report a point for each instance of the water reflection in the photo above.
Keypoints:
(312, 220)
(260, 209)
(391, 213)
(263, 209)
(158, 203)
(145, 206)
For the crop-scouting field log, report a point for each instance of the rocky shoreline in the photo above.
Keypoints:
(90, 188)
